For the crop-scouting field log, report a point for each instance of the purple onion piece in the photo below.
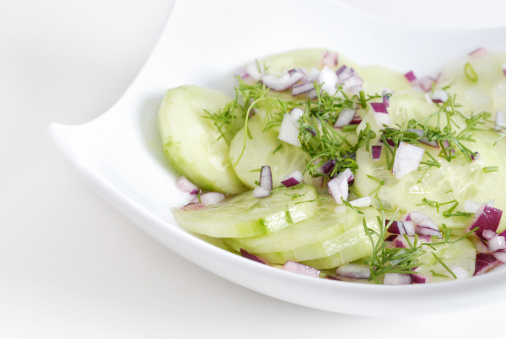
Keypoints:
(328, 166)
(378, 107)
(485, 262)
(410, 76)
(296, 267)
(266, 178)
(420, 279)
(376, 151)
(330, 59)
(187, 186)
(302, 88)
(497, 243)
(293, 179)
(426, 83)
(402, 227)
(486, 217)
(253, 257)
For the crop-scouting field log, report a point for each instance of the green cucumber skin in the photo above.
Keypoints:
(191, 142)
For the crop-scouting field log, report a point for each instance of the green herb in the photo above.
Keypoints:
(490, 169)
(470, 73)
(296, 195)
(349, 128)
(224, 119)
(277, 149)
(288, 215)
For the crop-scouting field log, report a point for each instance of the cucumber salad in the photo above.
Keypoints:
(327, 168)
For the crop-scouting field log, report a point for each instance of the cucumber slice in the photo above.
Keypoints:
(460, 254)
(377, 78)
(192, 143)
(263, 148)
(350, 245)
(325, 224)
(246, 216)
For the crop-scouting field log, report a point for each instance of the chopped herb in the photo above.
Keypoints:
(277, 149)
(470, 73)
(288, 215)
(490, 169)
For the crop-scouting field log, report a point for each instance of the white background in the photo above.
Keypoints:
(73, 267)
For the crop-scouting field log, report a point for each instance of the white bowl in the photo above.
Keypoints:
(119, 154)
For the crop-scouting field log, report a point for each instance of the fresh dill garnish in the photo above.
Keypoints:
(349, 128)
(224, 119)
(447, 213)
(256, 170)
(296, 195)
(277, 149)
(347, 203)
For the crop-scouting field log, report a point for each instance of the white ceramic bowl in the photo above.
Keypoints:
(119, 154)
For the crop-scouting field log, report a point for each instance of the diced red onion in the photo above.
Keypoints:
(407, 159)
(479, 52)
(354, 271)
(338, 186)
(289, 130)
(361, 202)
(480, 246)
(500, 255)
(460, 272)
(253, 257)
(297, 113)
(488, 234)
(302, 88)
(499, 121)
(420, 279)
(376, 151)
(312, 76)
(410, 76)
(357, 119)
(484, 263)
(312, 94)
(475, 156)
(379, 107)
(330, 59)
(187, 186)
(193, 206)
(439, 96)
(340, 71)
(266, 178)
(402, 227)
(260, 192)
(281, 84)
(328, 166)
(296, 267)
(416, 217)
(345, 117)
(397, 279)
(428, 227)
(426, 83)
(328, 80)
(293, 179)
(209, 198)
(387, 93)
(496, 243)
(504, 69)
(253, 71)
(486, 217)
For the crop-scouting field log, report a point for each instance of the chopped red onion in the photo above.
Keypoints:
(397, 279)
(480, 246)
(387, 94)
(407, 159)
(187, 186)
(378, 107)
(328, 166)
(289, 130)
(312, 94)
(296, 267)
(266, 178)
(330, 59)
(416, 217)
(297, 113)
(496, 243)
(283, 83)
(488, 234)
(253, 257)
(293, 179)
(312, 76)
(340, 71)
(302, 88)
(484, 263)
(253, 71)
(500, 255)
(486, 217)
(410, 76)
(357, 119)
(475, 156)
(479, 52)
(420, 279)
(504, 69)
(428, 227)
(328, 80)
(338, 186)
(380, 113)
(209, 198)
(345, 117)
(499, 121)
(354, 271)
(402, 227)
(376, 151)
(426, 83)
(192, 206)
(439, 96)
(361, 202)
(260, 192)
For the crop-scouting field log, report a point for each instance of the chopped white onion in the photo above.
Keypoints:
(266, 178)
(260, 192)
(354, 271)
(254, 72)
(289, 130)
(407, 159)
(439, 96)
(297, 113)
(397, 279)
(345, 117)
(328, 80)
(281, 84)
(460, 272)
(210, 198)
(496, 243)
(338, 186)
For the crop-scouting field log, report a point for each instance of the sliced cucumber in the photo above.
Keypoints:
(460, 254)
(325, 224)
(263, 148)
(246, 216)
(377, 78)
(192, 143)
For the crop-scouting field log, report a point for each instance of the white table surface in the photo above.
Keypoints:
(71, 266)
